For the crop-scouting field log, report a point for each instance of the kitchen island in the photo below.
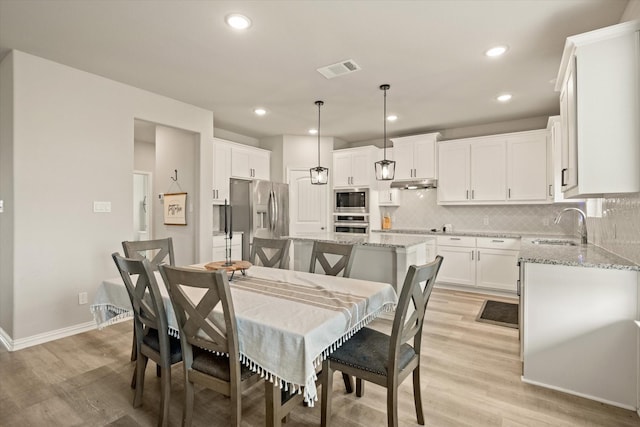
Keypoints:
(380, 257)
(578, 335)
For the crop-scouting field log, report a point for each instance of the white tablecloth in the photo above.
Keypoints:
(288, 321)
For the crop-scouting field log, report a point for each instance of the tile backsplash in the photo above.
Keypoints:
(419, 210)
(618, 229)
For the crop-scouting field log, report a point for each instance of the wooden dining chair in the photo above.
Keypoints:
(340, 258)
(386, 360)
(210, 350)
(151, 329)
(270, 252)
(160, 250)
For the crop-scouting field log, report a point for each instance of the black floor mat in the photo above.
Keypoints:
(499, 313)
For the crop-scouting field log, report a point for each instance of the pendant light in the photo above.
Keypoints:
(319, 175)
(385, 169)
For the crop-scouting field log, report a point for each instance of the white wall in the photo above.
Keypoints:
(144, 156)
(236, 137)
(632, 11)
(72, 145)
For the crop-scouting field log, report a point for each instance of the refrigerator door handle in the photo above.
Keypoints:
(275, 211)
(272, 203)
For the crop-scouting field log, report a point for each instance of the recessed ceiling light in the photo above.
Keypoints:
(392, 118)
(496, 51)
(313, 131)
(260, 111)
(237, 21)
(505, 97)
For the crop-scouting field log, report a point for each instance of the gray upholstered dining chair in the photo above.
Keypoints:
(386, 360)
(270, 252)
(160, 249)
(151, 329)
(211, 356)
(339, 259)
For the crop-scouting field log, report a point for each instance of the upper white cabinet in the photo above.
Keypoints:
(249, 162)
(353, 167)
(496, 169)
(221, 170)
(599, 109)
(415, 156)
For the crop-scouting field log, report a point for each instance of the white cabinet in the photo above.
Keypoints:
(354, 167)
(221, 170)
(598, 83)
(554, 135)
(251, 163)
(389, 197)
(483, 262)
(219, 247)
(415, 156)
(496, 169)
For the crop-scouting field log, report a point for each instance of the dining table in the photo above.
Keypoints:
(288, 322)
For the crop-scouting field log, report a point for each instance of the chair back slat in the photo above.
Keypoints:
(342, 264)
(416, 291)
(196, 321)
(145, 295)
(278, 249)
(161, 249)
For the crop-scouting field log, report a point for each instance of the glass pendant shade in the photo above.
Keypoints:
(319, 174)
(385, 169)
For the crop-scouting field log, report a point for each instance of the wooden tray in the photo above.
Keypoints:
(235, 265)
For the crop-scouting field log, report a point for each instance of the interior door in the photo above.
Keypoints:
(308, 203)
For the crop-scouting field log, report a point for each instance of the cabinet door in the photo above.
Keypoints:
(458, 265)
(341, 169)
(259, 164)
(527, 168)
(488, 171)
(497, 269)
(453, 181)
(403, 155)
(424, 160)
(362, 169)
(240, 163)
(221, 172)
(569, 130)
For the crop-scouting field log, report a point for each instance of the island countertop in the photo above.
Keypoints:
(373, 239)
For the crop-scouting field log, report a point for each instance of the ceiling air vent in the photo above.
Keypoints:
(339, 69)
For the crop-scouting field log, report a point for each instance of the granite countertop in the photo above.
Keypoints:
(455, 233)
(573, 256)
(373, 239)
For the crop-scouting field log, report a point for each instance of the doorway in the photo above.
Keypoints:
(142, 206)
(308, 203)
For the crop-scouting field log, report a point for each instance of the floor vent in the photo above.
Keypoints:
(339, 69)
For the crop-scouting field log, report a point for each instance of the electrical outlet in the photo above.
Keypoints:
(545, 221)
(102, 207)
(486, 220)
(82, 298)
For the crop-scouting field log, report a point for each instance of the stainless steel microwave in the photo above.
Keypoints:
(351, 200)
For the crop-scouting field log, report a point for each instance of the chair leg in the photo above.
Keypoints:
(165, 396)
(135, 375)
(327, 391)
(158, 371)
(359, 387)
(141, 365)
(134, 346)
(417, 396)
(392, 405)
(236, 408)
(348, 383)
(187, 414)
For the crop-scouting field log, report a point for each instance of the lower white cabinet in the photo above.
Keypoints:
(482, 262)
(219, 247)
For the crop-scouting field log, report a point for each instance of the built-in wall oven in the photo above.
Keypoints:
(351, 211)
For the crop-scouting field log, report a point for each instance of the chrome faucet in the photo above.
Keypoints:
(582, 223)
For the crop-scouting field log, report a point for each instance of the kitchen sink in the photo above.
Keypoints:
(554, 242)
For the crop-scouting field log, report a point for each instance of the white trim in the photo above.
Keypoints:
(22, 343)
(575, 393)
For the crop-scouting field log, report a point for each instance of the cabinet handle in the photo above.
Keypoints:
(509, 193)
(472, 255)
(478, 255)
(473, 194)
(498, 241)
(518, 287)
(550, 191)
(467, 194)
(564, 184)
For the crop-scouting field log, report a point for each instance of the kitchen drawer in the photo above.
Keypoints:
(456, 241)
(499, 243)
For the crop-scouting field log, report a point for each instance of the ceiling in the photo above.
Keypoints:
(431, 52)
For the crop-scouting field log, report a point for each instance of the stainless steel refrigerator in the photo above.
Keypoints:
(259, 209)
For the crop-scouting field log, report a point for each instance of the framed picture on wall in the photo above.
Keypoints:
(175, 208)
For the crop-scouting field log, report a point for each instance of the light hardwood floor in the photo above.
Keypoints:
(470, 377)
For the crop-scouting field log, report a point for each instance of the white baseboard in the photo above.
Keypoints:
(19, 344)
(575, 393)
(476, 290)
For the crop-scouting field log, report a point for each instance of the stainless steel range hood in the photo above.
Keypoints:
(415, 184)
